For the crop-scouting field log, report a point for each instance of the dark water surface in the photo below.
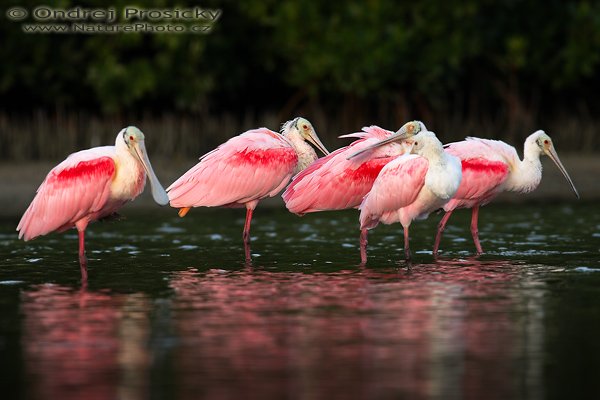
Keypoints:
(172, 311)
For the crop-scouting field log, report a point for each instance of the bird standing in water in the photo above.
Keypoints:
(490, 167)
(336, 183)
(247, 168)
(90, 185)
(411, 186)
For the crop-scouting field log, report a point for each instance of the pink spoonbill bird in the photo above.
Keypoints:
(90, 185)
(335, 182)
(247, 168)
(412, 186)
(490, 167)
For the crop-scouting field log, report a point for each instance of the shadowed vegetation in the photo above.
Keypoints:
(485, 68)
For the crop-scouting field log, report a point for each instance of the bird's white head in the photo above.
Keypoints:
(409, 129)
(539, 143)
(302, 128)
(133, 139)
(425, 143)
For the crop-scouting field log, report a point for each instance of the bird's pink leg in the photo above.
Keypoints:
(406, 245)
(82, 257)
(246, 234)
(250, 206)
(475, 229)
(247, 252)
(440, 230)
(363, 245)
(81, 225)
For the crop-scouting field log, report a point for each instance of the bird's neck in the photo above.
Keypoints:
(306, 154)
(436, 157)
(130, 177)
(527, 174)
(444, 173)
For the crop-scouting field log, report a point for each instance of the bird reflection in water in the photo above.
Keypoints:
(450, 329)
(83, 344)
(434, 330)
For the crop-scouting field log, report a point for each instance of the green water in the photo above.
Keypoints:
(171, 309)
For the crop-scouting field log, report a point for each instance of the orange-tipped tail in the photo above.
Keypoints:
(183, 211)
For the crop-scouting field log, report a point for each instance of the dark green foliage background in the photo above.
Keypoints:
(508, 66)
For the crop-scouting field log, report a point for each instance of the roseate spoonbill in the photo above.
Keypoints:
(490, 167)
(247, 168)
(90, 185)
(412, 186)
(334, 182)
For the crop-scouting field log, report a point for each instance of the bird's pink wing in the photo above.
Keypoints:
(77, 187)
(397, 186)
(484, 169)
(494, 150)
(334, 182)
(377, 132)
(251, 166)
(370, 132)
(300, 193)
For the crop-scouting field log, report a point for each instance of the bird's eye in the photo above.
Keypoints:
(416, 143)
(546, 141)
(305, 127)
(130, 137)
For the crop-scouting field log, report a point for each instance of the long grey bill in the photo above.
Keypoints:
(158, 192)
(314, 139)
(554, 157)
(394, 138)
